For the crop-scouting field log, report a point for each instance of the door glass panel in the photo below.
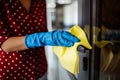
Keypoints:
(110, 34)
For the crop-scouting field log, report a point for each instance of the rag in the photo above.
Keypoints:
(68, 56)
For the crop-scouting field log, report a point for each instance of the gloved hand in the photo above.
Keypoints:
(53, 38)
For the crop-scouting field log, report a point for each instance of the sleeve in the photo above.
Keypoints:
(4, 34)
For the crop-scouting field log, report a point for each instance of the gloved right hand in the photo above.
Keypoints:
(53, 38)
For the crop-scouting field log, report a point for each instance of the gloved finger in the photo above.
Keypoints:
(59, 40)
(64, 42)
(69, 36)
(67, 43)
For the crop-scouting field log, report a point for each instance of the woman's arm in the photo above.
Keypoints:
(14, 44)
(53, 38)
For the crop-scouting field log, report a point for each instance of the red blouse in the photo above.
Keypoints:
(16, 21)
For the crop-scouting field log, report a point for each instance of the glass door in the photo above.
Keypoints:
(110, 31)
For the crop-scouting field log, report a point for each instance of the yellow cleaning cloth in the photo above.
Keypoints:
(68, 56)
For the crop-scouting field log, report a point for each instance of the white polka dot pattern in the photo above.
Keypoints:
(28, 64)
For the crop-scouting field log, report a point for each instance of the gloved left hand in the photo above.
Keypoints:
(53, 38)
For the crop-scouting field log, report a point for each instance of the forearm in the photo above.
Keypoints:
(53, 38)
(14, 44)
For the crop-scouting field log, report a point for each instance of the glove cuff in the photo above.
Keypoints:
(33, 40)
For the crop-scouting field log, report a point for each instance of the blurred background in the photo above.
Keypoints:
(62, 14)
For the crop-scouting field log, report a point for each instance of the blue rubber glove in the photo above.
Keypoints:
(53, 38)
